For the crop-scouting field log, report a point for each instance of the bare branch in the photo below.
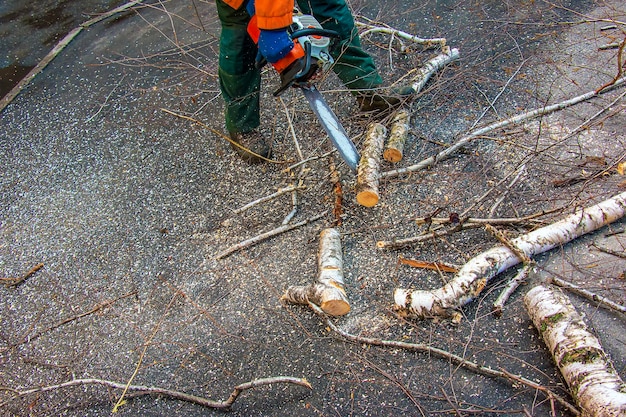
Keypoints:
(139, 390)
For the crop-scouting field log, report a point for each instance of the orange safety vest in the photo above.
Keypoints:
(271, 14)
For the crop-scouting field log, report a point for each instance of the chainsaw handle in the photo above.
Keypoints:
(327, 33)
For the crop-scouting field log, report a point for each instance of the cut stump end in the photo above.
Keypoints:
(335, 307)
(367, 198)
(392, 155)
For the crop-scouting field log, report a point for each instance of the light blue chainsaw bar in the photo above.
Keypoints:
(333, 128)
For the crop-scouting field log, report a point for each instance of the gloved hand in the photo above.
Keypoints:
(274, 44)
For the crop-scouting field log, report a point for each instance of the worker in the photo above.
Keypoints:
(240, 80)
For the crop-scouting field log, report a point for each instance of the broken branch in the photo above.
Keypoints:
(603, 301)
(139, 390)
(474, 275)
(400, 34)
(432, 66)
(263, 236)
(278, 193)
(510, 288)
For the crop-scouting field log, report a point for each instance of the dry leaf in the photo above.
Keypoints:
(437, 266)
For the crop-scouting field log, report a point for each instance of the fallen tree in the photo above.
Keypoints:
(476, 273)
(590, 375)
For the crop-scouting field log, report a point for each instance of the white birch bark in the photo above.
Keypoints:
(592, 380)
(474, 275)
(369, 166)
(328, 292)
(394, 148)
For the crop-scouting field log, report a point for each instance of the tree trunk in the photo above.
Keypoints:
(590, 376)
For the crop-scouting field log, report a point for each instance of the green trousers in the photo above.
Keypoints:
(240, 81)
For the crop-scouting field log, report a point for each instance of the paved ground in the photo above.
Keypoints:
(126, 206)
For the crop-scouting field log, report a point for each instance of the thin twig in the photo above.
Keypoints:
(492, 102)
(503, 194)
(95, 309)
(510, 288)
(602, 301)
(14, 282)
(278, 193)
(263, 236)
(294, 210)
(620, 69)
(399, 243)
(139, 390)
(223, 136)
(457, 360)
(121, 401)
(609, 251)
(312, 158)
(291, 129)
(106, 100)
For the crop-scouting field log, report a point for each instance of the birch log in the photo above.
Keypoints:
(369, 166)
(592, 380)
(328, 292)
(394, 148)
(474, 275)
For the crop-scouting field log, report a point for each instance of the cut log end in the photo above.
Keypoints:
(368, 198)
(328, 292)
(335, 307)
(392, 155)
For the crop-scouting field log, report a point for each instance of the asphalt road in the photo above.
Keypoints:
(126, 205)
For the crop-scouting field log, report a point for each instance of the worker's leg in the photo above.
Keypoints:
(239, 80)
(354, 66)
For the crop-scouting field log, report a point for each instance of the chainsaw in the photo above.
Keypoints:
(305, 62)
